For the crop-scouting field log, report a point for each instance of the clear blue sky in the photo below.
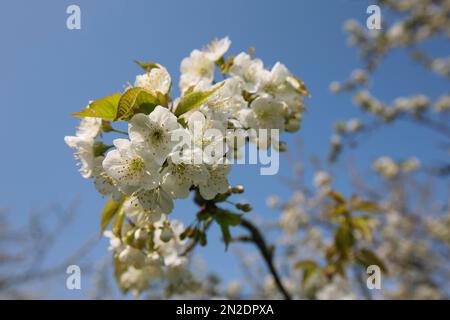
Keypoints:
(48, 71)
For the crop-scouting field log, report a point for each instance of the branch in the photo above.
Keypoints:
(210, 207)
(191, 246)
(257, 238)
(439, 127)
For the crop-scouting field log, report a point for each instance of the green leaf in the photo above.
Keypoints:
(202, 239)
(187, 233)
(309, 267)
(305, 264)
(366, 257)
(362, 225)
(119, 269)
(226, 219)
(232, 219)
(339, 210)
(357, 204)
(118, 221)
(135, 100)
(337, 197)
(105, 108)
(344, 239)
(100, 148)
(109, 210)
(193, 99)
(251, 52)
(147, 66)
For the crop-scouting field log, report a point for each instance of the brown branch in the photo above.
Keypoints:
(255, 237)
(267, 254)
(191, 246)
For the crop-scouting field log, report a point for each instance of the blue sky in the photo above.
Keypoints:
(48, 71)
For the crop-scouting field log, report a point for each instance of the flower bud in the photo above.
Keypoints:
(292, 125)
(166, 233)
(280, 146)
(244, 207)
(141, 234)
(238, 189)
(132, 256)
(106, 126)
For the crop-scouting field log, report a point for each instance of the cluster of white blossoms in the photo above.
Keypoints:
(415, 108)
(350, 126)
(415, 105)
(389, 168)
(175, 146)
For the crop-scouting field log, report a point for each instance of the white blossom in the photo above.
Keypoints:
(153, 199)
(177, 179)
(264, 113)
(157, 80)
(249, 70)
(217, 48)
(131, 171)
(83, 144)
(152, 135)
(322, 179)
(217, 181)
(386, 167)
(197, 69)
(84, 153)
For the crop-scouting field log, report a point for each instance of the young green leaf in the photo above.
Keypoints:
(339, 198)
(100, 148)
(344, 239)
(305, 264)
(226, 219)
(119, 269)
(362, 225)
(367, 206)
(367, 257)
(109, 210)
(118, 221)
(104, 108)
(309, 267)
(135, 100)
(147, 66)
(193, 99)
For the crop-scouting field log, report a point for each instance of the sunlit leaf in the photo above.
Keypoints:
(135, 100)
(109, 210)
(119, 269)
(309, 267)
(104, 108)
(337, 197)
(147, 66)
(362, 225)
(118, 221)
(344, 239)
(361, 205)
(193, 99)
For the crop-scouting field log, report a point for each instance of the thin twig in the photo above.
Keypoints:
(438, 127)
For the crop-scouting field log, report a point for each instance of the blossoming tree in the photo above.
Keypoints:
(177, 147)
